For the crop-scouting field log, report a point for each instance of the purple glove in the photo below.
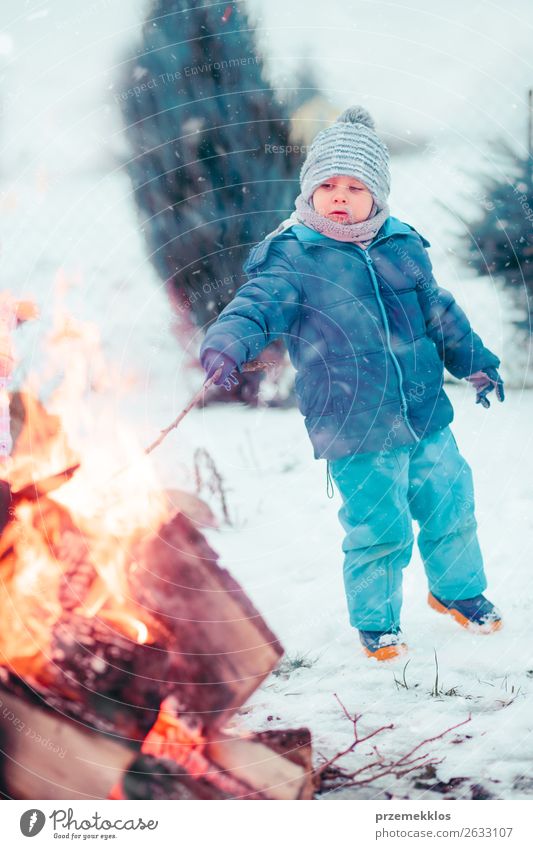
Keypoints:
(484, 382)
(212, 360)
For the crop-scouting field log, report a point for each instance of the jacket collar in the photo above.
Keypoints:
(309, 237)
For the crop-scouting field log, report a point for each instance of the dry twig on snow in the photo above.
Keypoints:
(215, 483)
(329, 776)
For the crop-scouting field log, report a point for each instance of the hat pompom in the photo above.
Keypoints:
(357, 115)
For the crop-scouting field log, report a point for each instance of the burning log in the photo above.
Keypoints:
(178, 762)
(258, 772)
(221, 648)
(5, 504)
(47, 755)
(187, 621)
(272, 764)
(35, 490)
(80, 573)
(38, 439)
(150, 778)
(98, 666)
(139, 636)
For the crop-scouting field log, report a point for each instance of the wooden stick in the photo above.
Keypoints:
(259, 366)
(194, 400)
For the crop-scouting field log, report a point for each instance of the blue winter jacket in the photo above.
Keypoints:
(368, 331)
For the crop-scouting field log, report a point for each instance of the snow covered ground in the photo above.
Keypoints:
(285, 549)
(68, 224)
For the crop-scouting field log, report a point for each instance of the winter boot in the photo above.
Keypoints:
(383, 645)
(477, 614)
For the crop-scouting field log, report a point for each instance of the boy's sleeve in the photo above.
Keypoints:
(262, 310)
(459, 347)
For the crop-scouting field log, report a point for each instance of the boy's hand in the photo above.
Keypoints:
(212, 360)
(484, 382)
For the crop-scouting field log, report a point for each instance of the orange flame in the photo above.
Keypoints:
(111, 513)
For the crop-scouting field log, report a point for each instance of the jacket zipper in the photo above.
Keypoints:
(375, 284)
(370, 266)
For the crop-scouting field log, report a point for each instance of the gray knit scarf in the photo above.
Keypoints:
(362, 232)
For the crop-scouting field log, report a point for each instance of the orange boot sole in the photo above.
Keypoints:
(387, 652)
(489, 628)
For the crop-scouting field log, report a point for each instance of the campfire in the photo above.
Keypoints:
(125, 648)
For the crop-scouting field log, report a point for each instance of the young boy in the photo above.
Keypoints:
(350, 288)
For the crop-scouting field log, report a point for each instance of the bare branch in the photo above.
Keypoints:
(329, 776)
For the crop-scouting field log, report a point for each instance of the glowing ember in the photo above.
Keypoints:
(128, 624)
(172, 737)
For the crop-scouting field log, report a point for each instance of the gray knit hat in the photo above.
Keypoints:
(350, 147)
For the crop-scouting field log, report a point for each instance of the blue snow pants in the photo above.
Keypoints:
(382, 493)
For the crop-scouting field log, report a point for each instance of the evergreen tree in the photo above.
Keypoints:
(201, 120)
(501, 241)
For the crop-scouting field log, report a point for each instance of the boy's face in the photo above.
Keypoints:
(343, 199)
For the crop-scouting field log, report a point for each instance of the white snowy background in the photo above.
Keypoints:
(451, 75)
